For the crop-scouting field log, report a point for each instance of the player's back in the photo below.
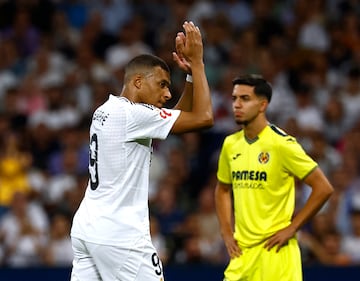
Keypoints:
(114, 209)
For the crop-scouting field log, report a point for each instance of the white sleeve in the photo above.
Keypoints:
(146, 121)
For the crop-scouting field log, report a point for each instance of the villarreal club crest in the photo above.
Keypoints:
(263, 157)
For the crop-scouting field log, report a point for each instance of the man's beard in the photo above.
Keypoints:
(247, 121)
(244, 122)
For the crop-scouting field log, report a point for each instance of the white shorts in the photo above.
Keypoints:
(108, 263)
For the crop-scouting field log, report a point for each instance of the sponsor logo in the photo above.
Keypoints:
(248, 185)
(249, 175)
(249, 179)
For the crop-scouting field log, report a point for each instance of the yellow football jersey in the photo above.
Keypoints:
(262, 174)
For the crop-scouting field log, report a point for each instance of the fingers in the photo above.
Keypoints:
(274, 241)
(191, 42)
(233, 248)
(235, 252)
(190, 25)
(176, 58)
(180, 43)
(181, 37)
(270, 243)
(188, 47)
(192, 31)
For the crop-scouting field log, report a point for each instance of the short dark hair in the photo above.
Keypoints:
(261, 86)
(143, 63)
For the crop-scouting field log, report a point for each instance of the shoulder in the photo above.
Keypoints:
(233, 140)
(147, 113)
(235, 137)
(147, 106)
(275, 129)
(284, 142)
(121, 103)
(279, 134)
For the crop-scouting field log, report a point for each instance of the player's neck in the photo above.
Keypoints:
(128, 96)
(253, 129)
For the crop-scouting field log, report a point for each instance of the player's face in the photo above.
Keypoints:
(246, 104)
(156, 89)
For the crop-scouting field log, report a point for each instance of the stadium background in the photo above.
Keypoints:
(60, 59)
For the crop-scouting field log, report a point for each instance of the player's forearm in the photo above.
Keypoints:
(312, 206)
(224, 211)
(186, 100)
(201, 104)
(317, 199)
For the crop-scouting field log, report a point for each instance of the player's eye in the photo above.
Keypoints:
(164, 84)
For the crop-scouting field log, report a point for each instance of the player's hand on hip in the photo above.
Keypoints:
(232, 247)
(280, 238)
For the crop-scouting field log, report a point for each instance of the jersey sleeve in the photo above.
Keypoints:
(146, 121)
(223, 172)
(295, 160)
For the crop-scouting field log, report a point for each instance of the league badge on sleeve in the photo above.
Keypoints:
(164, 114)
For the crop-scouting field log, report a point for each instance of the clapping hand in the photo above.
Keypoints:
(189, 48)
(178, 55)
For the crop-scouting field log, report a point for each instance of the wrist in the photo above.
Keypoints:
(189, 78)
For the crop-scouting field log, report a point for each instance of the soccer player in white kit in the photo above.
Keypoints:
(110, 232)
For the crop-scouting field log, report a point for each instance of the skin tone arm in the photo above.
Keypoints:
(186, 99)
(223, 204)
(321, 191)
(190, 48)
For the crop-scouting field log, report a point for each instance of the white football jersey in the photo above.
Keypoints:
(114, 210)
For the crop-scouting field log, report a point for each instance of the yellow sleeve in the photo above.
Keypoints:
(224, 172)
(296, 160)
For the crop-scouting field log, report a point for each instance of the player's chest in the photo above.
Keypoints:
(254, 158)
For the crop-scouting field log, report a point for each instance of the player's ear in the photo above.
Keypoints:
(263, 104)
(137, 80)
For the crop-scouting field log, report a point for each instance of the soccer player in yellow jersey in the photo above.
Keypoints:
(255, 193)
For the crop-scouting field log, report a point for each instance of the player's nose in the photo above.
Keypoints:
(237, 103)
(167, 95)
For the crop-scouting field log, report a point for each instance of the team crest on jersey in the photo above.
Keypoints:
(263, 157)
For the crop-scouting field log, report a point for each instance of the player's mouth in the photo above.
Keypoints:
(238, 114)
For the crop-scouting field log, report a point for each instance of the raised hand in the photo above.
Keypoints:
(189, 47)
(178, 55)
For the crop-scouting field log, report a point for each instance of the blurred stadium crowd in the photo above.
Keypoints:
(60, 59)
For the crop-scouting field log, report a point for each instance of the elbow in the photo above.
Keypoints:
(208, 121)
(328, 192)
